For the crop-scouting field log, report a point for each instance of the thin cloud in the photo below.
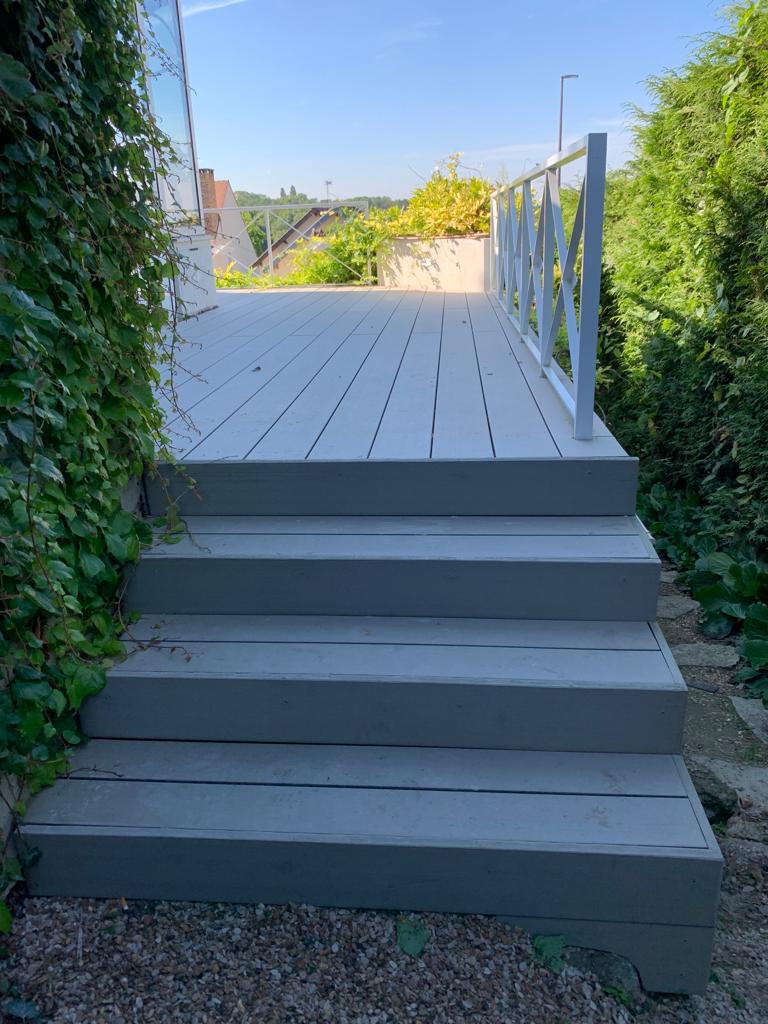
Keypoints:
(201, 6)
(414, 32)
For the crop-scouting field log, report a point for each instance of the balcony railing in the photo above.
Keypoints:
(548, 282)
(281, 233)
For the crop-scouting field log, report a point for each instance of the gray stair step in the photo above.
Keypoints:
(532, 486)
(567, 839)
(479, 566)
(548, 685)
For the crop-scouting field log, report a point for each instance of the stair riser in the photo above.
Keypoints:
(513, 487)
(520, 717)
(615, 590)
(534, 883)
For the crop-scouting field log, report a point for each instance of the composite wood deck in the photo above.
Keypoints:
(365, 374)
(404, 654)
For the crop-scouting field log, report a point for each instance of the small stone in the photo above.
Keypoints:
(674, 606)
(754, 714)
(610, 969)
(706, 655)
(668, 575)
(719, 799)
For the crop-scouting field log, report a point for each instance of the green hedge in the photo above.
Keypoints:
(684, 352)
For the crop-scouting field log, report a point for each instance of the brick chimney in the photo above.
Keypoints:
(208, 196)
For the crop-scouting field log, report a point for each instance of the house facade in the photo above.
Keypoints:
(225, 224)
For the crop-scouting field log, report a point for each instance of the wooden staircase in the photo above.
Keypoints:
(413, 686)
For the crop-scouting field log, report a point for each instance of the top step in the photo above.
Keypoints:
(599, 486)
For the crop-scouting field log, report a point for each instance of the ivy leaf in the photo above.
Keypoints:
(31, 691)
(548, 950)
(92, 565)
(22, 428)
(412, 936)
(14, 78)
(117, 546)
(84, 682)
(10, 394)
(6, 920)
(42, 464)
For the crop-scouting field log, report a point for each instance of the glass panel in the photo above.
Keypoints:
(170, 102)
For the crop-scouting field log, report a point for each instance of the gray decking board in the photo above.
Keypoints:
(350, 430)
(461, 428)
(411, 817)
(296, 433)
(504, 771)
(237, 356)
(399, 487)
(242, 429)
(484, 526)
(552, 634)
(354, 539)
(419, 663)
(405, 430)
(421, 396)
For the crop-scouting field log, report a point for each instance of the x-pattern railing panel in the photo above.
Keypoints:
(530, 246)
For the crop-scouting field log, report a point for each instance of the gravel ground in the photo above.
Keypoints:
(99, 962)
(81, 960)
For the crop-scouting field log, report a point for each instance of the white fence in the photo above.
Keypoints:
(536, 270)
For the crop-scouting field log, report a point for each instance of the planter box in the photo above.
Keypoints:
(452, 264)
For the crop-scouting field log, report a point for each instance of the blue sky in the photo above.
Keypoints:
(373, 95)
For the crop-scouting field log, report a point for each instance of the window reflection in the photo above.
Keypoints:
(170, 103)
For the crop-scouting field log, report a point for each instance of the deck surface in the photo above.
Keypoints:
(355, 374)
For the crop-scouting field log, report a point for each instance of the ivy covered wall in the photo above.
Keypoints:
(83, 257)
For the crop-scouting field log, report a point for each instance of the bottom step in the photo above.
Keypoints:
(609, 850)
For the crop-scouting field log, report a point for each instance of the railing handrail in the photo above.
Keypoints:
(564, 156)
(526, 250)
(321, 204)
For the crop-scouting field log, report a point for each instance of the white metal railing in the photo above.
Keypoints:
(530, 250)
(274, 213)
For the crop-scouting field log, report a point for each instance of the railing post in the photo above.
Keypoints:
(269, 248)
(493, 244)
(591, 270)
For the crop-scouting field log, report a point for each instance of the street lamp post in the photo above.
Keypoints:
(560, 129)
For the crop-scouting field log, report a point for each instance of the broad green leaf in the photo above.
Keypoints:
(756, 652)
(6, 920)
(14, 78)
(756, 622)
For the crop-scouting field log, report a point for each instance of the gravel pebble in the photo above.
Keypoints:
(89, 961)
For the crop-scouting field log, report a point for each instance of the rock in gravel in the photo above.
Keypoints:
(718, 798)
(668, 575)
(706, 655)
(615, 973)
(754, 714)
(674, 606)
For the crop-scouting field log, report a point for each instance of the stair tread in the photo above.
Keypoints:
(444, 538)
(400, 815)
(385, 629)
(358, 766)
(416, 650)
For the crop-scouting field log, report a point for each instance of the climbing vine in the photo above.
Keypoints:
(85, 251)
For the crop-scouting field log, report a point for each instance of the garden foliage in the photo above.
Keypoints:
(448, 203)
(84, 252)
(684, 349)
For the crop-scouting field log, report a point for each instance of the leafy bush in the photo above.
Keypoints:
(83, 259)
(447, 204)
(344, 255)
(734, 595)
